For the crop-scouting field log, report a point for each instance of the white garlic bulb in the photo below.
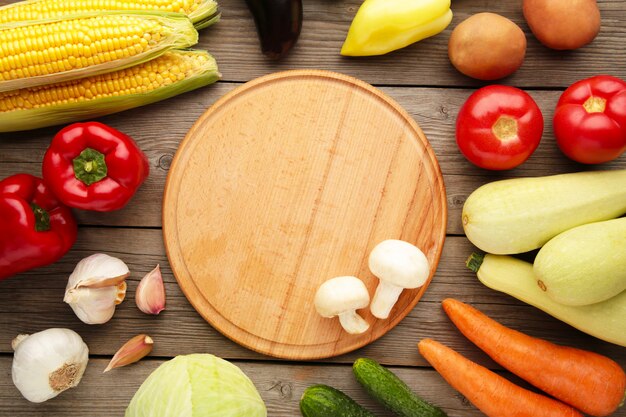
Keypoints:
(47, 363)
(96, 286)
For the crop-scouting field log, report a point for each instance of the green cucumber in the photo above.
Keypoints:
(604, 320)
(324, 401)
(389, 390)
(585, 265)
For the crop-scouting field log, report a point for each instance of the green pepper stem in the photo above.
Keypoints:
(90, 166)
(475, 261)
(42, 218)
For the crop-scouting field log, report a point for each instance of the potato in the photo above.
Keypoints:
(487, 46)
(563, 24)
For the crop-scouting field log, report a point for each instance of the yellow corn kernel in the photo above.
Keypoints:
(70, 101)
(52, 42)
(196, 10)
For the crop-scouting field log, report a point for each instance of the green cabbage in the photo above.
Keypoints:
(197, 385)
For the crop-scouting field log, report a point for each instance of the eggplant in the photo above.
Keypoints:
(278, 23)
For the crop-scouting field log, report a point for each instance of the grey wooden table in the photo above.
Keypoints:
(422, 80)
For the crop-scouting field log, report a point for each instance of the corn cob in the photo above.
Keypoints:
(202, 13)
(172, 73)
(56, 50)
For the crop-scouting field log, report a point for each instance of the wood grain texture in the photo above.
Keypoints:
(288, 181)
(233, 41)
(33, 302)
(280, 387)
(435, 110)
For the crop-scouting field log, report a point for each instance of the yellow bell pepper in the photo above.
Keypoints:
(382, 26)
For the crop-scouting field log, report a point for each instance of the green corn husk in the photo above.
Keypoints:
(58, 41)
(209, 17)
(173, 73)
(202, 13)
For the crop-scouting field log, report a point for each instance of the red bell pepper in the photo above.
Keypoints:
(92, 166)
(35, 228)
(590, 120)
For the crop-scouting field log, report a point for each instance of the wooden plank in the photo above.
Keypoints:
(33, 302)
(234, 43)
(434, 109)
(280, 387)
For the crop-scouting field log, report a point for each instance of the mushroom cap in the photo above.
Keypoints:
(399, 263)
(339, 295)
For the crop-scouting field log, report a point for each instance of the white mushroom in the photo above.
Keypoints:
(398, 265)
(342, 296)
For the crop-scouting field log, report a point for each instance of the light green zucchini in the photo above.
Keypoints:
(584, 265)
(512, 276)
(522, 214)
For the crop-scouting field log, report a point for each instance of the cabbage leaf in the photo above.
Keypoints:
(197, 385)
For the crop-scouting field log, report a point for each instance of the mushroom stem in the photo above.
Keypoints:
(384, 299)
(353, 323)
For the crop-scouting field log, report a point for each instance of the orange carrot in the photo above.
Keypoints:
(592, 383)
(489, 392)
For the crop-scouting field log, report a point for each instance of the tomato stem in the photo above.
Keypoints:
(505, 128)
(595, 104)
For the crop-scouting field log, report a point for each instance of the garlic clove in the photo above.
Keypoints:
(132, 351)
(18, 339)
(120, 293)
(95, 287)
(103, 282)
(150, 294)
(48, 363)
(97, 271)
(95, 305)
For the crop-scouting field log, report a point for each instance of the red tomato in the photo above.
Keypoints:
(590, 120)
(499, 127)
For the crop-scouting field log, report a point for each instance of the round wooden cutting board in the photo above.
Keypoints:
(285, 182)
